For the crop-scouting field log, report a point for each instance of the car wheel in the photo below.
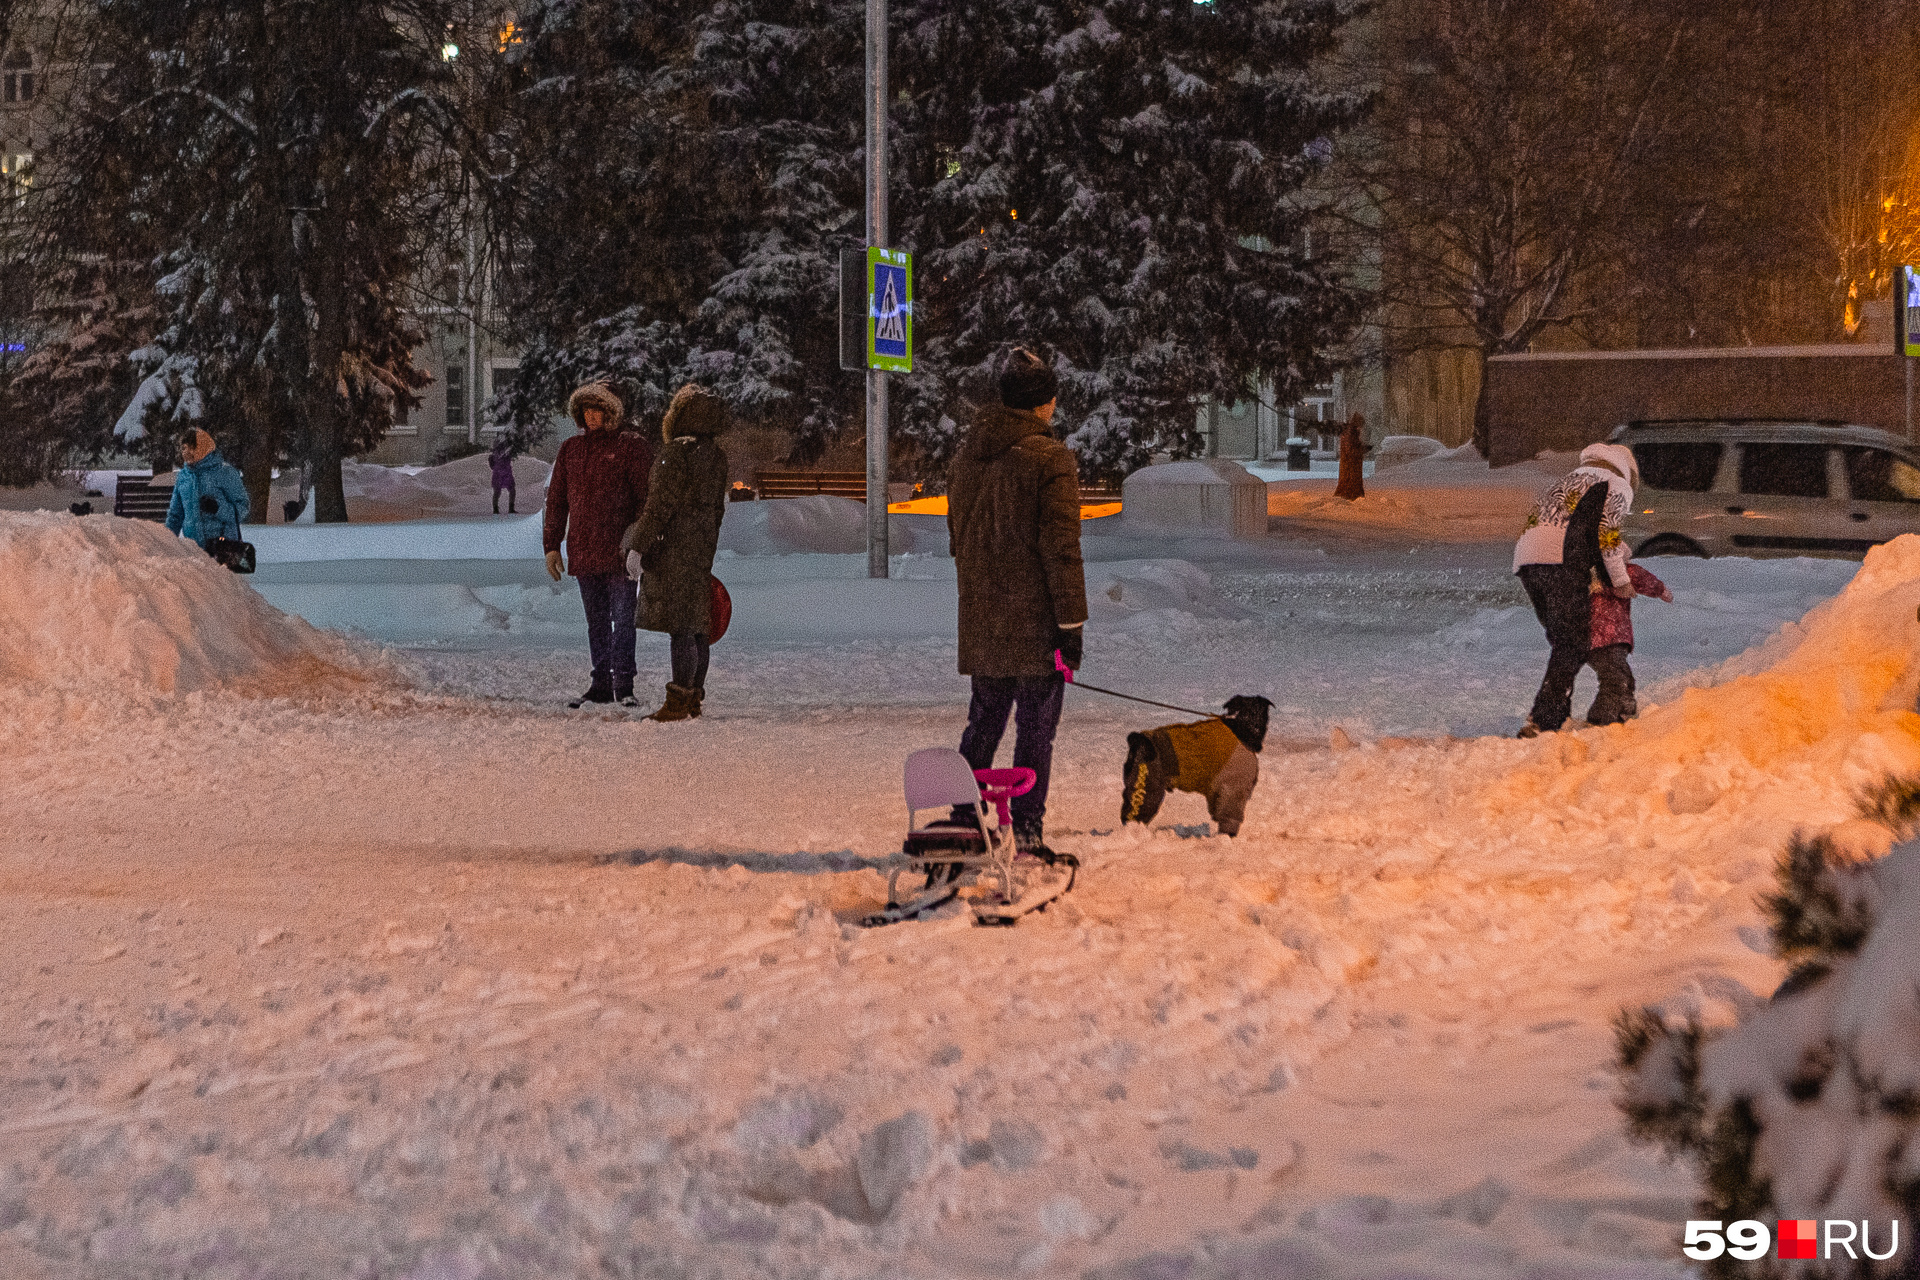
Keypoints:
(1670, 544)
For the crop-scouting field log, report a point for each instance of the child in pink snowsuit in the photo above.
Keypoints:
(1611, 640)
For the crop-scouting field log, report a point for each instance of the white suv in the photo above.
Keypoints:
(1750, 488)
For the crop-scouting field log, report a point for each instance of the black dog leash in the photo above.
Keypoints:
(1067, 672)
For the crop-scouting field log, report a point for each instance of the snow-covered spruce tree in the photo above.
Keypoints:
(688, 176)
(1810, 1107)
(297, 136)
(73, 387)
(1119, 183)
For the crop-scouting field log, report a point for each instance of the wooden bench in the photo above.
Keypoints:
(137, 499)
(804, 484)
(853, 484)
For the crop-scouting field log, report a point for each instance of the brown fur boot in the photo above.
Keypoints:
(680, 705)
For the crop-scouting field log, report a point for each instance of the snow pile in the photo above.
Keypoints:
(1398, 451)
(122, 606)
(821, 523)
(1825, 702)
(1127, 595)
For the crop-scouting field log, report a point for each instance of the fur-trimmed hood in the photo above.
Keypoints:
(1616, 458)
(595, 395)
(695, 411)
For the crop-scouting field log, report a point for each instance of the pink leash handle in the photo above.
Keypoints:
(1060, 665)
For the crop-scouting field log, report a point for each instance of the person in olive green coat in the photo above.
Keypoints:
(670, 547)
(1013, 513)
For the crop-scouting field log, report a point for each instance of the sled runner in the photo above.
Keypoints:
(956, 855)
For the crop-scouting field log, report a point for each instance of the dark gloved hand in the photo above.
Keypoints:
(209, 506)
(1071, 643)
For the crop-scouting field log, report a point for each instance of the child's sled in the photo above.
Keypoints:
(956, 854)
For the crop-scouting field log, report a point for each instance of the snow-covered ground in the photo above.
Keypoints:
(361, 957)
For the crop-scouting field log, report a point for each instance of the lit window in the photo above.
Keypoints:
(510, 34)
(16, 171)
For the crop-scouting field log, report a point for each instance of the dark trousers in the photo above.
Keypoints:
(497, 490)
(690, 659)
(608, 598)
(1560, 601)
(1614, 703)
(1035, 702)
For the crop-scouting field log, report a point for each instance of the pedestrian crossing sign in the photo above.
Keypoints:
(890, 310)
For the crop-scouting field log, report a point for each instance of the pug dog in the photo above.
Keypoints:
(1218, 758)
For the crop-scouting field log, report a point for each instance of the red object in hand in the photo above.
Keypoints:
(1060, 665)
(719, 610)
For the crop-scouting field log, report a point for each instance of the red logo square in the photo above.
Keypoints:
(1799, 1238)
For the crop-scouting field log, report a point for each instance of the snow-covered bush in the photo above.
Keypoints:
(1810, 1106)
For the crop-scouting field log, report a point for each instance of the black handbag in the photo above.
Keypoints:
(231, 552)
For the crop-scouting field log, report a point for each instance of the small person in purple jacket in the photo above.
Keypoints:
(501, 460)
(1611, 640)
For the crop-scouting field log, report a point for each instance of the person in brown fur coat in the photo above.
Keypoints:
(1013, 513)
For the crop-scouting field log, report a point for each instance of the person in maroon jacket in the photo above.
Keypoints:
(599, 487)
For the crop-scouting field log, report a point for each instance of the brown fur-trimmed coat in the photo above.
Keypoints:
(686, 499)
(1013, 513)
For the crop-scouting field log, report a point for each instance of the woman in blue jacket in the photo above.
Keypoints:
(205, 474)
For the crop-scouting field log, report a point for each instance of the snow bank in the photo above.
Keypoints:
(820, 523)
(502, 538)
(102, 605)
(1398, 451)
(1825, 703)
(1127, 595)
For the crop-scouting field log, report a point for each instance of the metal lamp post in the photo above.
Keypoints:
(877, 237)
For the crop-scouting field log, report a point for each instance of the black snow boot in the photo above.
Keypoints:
(1028, 840)
(597, 693)
(623, 694)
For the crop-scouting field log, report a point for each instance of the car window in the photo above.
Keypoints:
(1679, 466)
(1784, 470)
(1875, 475)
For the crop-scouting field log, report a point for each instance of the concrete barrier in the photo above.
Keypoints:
(1200, 497)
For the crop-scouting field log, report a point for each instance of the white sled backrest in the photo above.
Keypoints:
(940, 776)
